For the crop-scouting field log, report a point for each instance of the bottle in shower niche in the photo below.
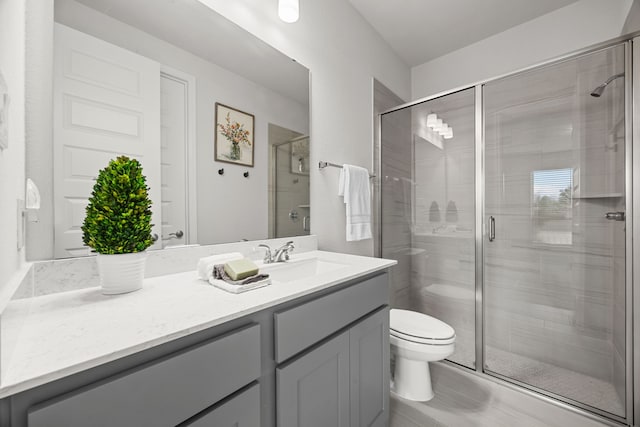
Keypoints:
(452, 212)
(434, 212)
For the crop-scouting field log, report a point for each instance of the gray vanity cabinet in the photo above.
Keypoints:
(313, 390)
(369, 362)
(342, 380)
(318, 360)
(163, 393)
(242, 410)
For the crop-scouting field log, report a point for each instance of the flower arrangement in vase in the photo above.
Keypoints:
(236, 134)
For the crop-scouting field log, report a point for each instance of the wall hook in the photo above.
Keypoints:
(246, 174)
(221, 171)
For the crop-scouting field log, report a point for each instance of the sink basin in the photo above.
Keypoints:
(298, 269)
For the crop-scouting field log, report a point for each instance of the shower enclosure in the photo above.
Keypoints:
(289, 213)
(507, 206)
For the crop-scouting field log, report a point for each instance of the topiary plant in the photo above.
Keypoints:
(118, 217)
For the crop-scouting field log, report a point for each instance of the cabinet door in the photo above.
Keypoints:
(242, 410)
(313, 390)
(369, 348)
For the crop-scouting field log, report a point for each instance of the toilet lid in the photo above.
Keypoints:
(411, 324)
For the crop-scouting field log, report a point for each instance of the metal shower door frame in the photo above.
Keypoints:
(571, 404)
(632, 245)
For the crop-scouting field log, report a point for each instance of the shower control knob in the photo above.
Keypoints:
(615, 216)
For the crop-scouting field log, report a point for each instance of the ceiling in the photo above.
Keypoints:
(421, 30)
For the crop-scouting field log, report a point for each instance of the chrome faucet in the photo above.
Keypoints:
(267, 254)
(282, 253)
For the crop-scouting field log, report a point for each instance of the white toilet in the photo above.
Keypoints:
(417, 339)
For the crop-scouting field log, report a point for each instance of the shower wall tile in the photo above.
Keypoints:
(568, 289)
(549, 343)
(552, 349)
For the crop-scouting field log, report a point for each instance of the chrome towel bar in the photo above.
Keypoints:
(322, 165)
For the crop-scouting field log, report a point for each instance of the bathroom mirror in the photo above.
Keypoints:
(142, 78)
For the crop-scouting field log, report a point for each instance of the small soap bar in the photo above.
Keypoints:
(240, 269)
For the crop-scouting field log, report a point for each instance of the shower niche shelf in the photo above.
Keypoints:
(597, 196)
(599, 183)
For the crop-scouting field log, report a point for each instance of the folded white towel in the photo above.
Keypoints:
(205, 265)
(236, 289)
(355, 187)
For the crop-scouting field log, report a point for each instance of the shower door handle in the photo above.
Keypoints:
(614, 216)
(492, 229)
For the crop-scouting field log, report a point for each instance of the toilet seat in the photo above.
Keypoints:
(420, 328)
(423, 341)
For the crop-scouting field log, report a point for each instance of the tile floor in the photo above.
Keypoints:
(464, 399)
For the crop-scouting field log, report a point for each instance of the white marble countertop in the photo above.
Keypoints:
(70, 332)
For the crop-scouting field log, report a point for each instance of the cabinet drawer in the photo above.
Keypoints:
(306, 324)
(164, 393)
(242, 410)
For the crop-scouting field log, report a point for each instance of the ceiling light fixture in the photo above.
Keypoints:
(289, 10)
(438, 126)
(431, 120)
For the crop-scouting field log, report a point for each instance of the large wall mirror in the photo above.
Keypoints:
(159, 80)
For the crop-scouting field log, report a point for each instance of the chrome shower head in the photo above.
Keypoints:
(597, 92)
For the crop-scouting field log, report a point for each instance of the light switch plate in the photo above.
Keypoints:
(21, 223)
(4, 114)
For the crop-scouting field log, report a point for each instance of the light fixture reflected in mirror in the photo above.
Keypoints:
(438, 126)
(289, 10)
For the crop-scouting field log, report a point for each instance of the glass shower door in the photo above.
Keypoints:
(554, 251)
(428, 212)
(290, 167)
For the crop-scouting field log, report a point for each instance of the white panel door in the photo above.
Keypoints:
(174, 180)
(106, 104)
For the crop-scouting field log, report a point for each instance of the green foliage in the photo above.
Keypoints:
(118, 217)
(546, 207)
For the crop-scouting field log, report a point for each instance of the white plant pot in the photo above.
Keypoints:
(121, 273)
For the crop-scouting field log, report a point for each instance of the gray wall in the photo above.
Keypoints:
(12, 66)
(343, 53)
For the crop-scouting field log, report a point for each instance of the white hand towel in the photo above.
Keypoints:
(205, 265)
(341, 181)
(354, 186)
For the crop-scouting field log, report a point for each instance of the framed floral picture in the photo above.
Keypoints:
(234, 137)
